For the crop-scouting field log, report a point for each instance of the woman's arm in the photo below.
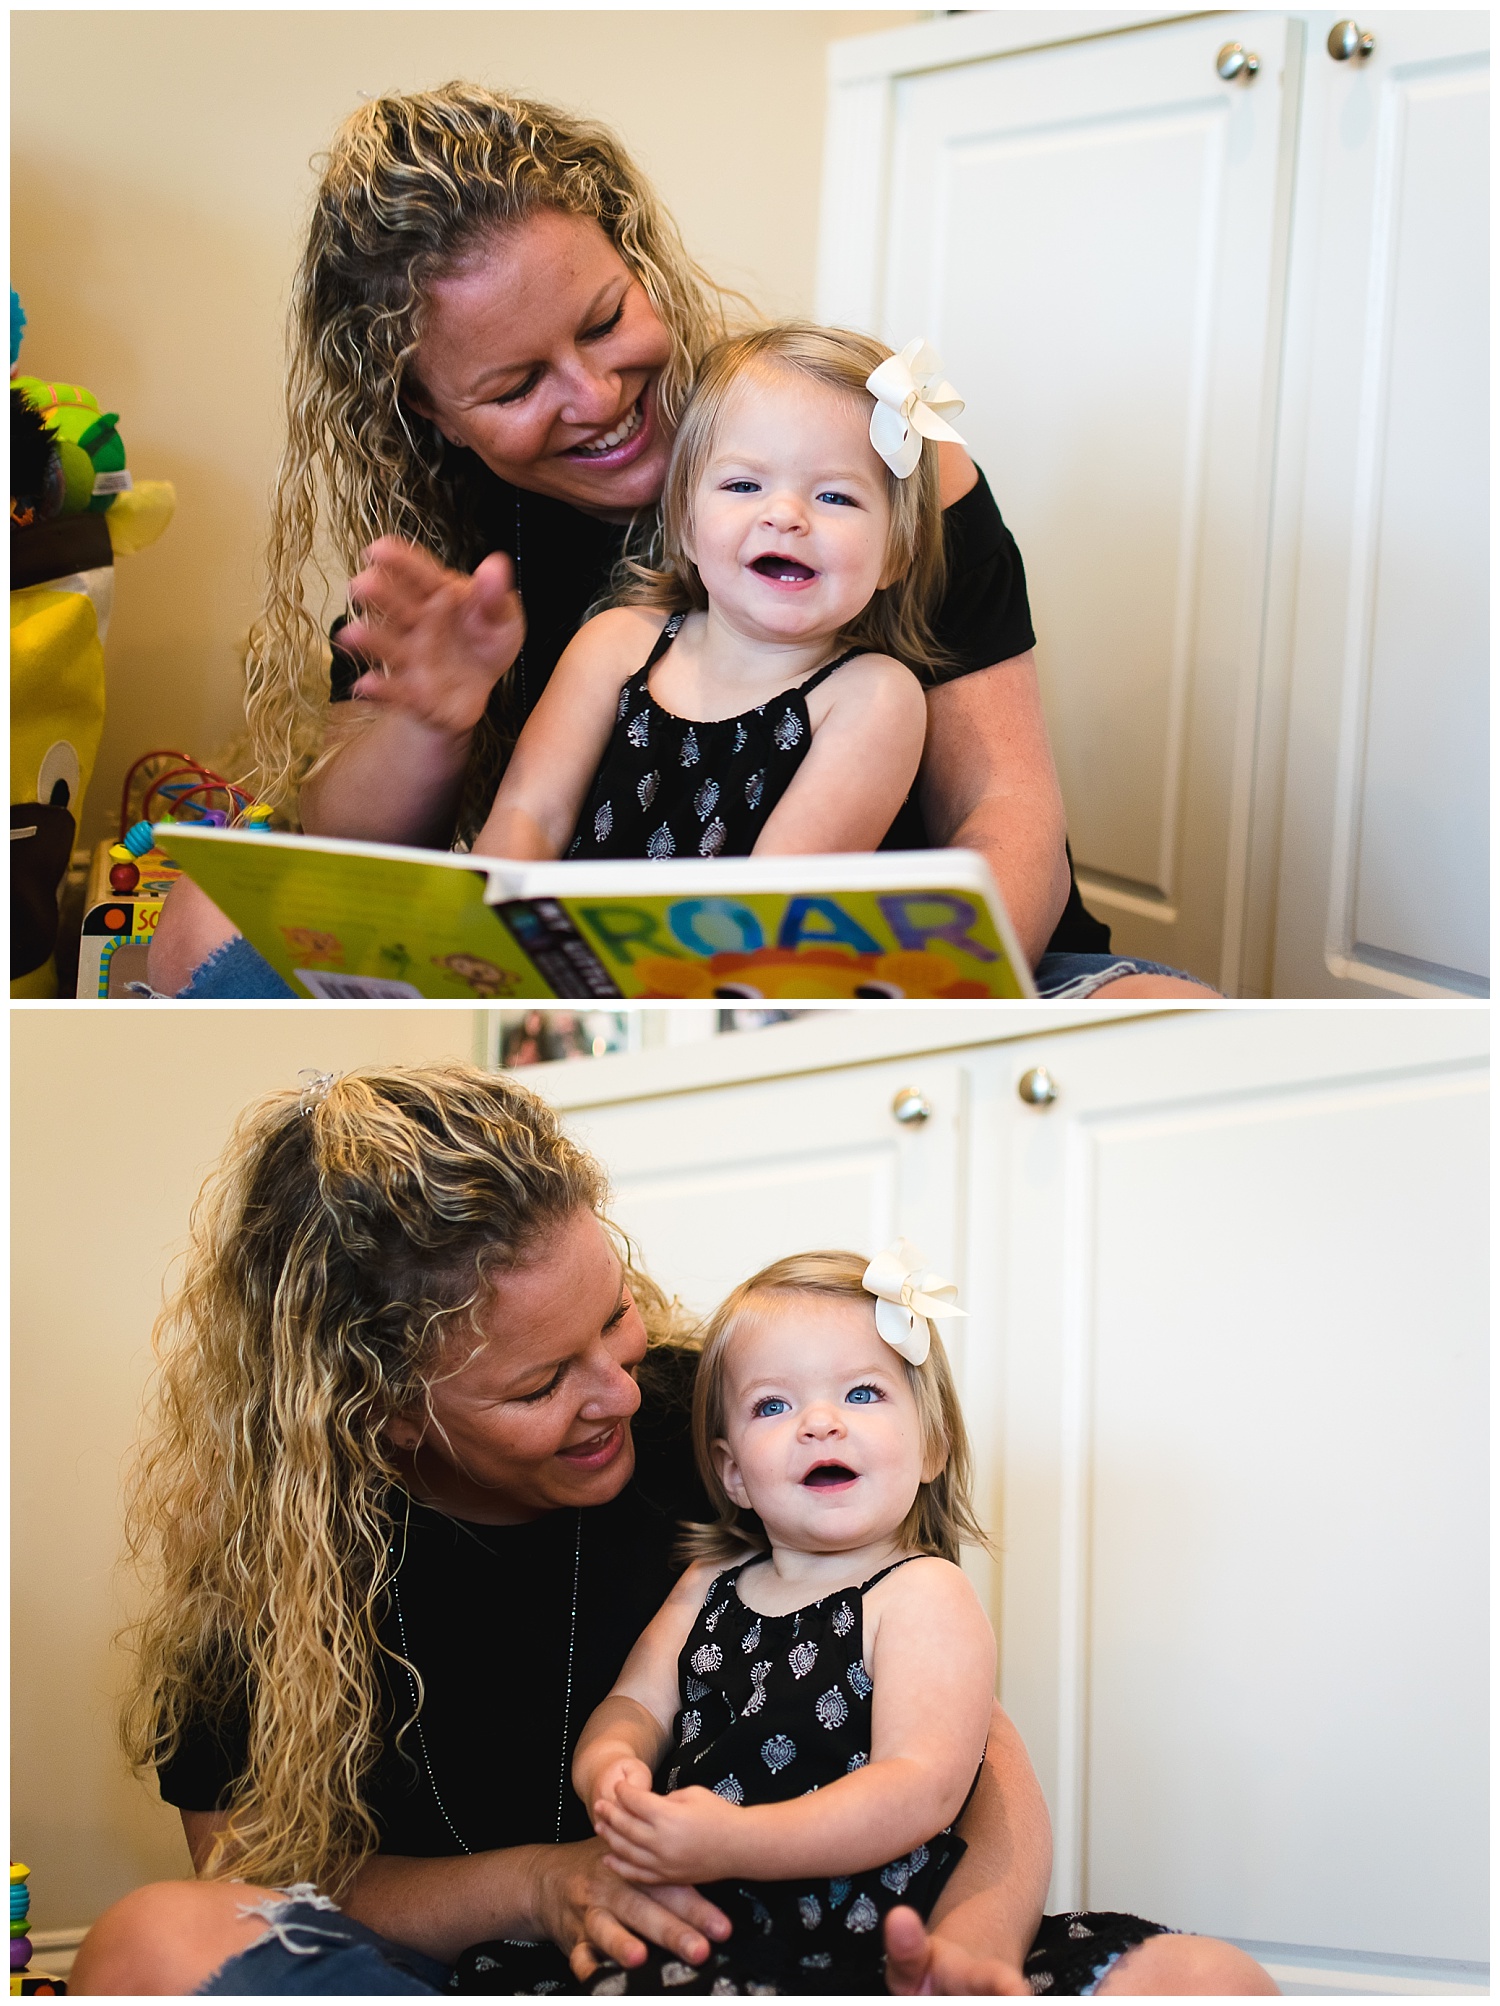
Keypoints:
(864, 755)
(438, 642)
(547, 779)
(988, 784)
(567, 1894)
(931, 1655)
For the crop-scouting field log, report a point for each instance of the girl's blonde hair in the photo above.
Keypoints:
(898, 620)
(411, 187)
(942, 1517)
(346, 1235)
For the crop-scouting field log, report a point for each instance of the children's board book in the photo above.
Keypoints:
(342, 919)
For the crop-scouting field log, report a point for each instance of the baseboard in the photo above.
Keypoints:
(1313, 1971)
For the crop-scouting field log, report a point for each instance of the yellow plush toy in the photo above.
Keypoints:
(62, 569)
(57, 631)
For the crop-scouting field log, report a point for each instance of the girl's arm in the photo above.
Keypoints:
(628, 1732)
(864, 756)
(547, 780)
(931, 1654)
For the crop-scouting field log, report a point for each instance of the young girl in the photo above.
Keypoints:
(775, 708)
(815, 1713)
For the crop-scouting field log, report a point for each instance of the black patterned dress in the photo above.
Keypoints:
(774, 1707)
(672, 786)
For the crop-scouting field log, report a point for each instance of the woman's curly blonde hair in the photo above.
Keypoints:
(341, 1249)
(410, 186)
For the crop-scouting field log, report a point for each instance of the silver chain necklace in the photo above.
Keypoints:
(562, 1766)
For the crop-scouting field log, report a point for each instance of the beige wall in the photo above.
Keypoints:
(116, 1117)
(159, 184)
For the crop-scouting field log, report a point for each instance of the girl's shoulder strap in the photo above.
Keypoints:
(727, 1577)
(664, 641)
(906, 1559)
(822, 675)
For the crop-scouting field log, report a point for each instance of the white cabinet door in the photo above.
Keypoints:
(712, 1185)
(1092, 236)
(1383, 880)
(1244, 1603)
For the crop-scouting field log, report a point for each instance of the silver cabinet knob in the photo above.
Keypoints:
(1234, 61)
(1037, 1087)
(1346, 39)
(911, 1107)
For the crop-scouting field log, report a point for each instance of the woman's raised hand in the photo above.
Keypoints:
(437, 640)
(586, 1909)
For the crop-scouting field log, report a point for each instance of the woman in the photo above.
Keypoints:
(413, 1488)
(494, 329)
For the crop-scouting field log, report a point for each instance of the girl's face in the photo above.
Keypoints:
(542, 354)
(821, 1433)
(790, 518)
(533, 1415)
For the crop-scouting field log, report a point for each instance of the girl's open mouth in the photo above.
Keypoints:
(827, 1475)
(614, 446)
(782, 570)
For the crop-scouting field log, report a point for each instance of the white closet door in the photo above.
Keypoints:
(714, 1184)
(1384, 883)
(1245, 1579)
(1091, 235)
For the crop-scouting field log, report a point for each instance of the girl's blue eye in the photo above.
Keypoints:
(861, 1396)
(742, 487)
(833, 495)
(773, 1404)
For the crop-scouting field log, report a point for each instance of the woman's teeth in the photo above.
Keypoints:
(629, 425)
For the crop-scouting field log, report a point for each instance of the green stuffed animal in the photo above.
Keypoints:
(88, 439)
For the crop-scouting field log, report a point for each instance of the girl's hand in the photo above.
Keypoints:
(628, 1770)
(442, 640)
(583, 1905)
(687, 1836)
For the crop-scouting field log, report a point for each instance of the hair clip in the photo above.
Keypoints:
(912, 403)
(316, 1090)
(906, 1295)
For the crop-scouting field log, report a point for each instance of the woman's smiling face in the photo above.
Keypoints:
(542, 354)
(532, 1413)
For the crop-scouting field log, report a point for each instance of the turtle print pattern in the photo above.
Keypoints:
(670, 786)
(776, 1707)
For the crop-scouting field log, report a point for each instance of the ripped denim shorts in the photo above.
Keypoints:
(311, 1946)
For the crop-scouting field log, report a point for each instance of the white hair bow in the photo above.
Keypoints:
(912, 403)
(906, 1295)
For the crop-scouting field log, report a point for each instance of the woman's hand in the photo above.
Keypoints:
(689, 1834)
(442, 639)
(583, 1905)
